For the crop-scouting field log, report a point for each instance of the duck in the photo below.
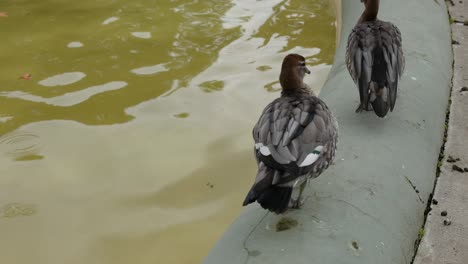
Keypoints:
(295, 140)
(375, 60)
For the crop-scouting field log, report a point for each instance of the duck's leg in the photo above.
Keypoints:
(297, 201)
(371, 96)
(359, 109)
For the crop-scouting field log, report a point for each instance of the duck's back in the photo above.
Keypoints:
(374, 53)
(296, 135)
(295, 139)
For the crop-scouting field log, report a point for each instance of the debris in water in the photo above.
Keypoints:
(447, 222)
(182, 115)
(26, 76)
(443, 213)
(435, 202)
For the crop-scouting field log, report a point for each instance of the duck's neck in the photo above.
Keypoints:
(293, 85)
(370, 13)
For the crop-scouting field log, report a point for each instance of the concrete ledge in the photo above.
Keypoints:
(369, 206)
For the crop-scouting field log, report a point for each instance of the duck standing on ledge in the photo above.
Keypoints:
(375, 60)
(295, 139)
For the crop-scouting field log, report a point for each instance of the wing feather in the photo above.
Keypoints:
(393, 55)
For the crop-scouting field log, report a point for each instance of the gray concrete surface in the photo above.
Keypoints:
(368, 207)
(448, 243)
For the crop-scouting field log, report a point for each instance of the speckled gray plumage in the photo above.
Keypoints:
(374, 56)
(292, 127)
(295, 139)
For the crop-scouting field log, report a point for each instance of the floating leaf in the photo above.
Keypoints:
(26, 76)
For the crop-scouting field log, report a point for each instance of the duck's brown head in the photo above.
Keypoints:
(292, 74)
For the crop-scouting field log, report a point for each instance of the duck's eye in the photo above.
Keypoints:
(302, 63)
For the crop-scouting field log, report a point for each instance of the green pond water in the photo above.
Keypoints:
(125, 126)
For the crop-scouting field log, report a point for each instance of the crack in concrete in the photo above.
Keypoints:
(244, 243)
(414, 188)
(377, 220)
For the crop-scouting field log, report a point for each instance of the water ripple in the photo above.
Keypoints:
(67, 99)
(20, 146)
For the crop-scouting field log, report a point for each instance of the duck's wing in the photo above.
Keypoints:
(393, 55)
(359, 59)
(297, 136)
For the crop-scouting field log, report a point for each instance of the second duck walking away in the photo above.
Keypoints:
(295, 139)
(375, 60)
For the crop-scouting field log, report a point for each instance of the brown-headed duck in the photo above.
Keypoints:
(295, 140)
(375, 60)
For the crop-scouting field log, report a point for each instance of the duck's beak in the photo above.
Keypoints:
(307, 70)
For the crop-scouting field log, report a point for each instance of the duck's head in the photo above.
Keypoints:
(293, 71)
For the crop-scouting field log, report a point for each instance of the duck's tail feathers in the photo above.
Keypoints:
(380, 106)
(383, 84)
(275, 198)
(383, 99)
(271, 197)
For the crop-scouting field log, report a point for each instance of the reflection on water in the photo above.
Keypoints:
(68, 99)
(63, 79)
(110, 20)
(143, 35)
(212, 86)
(75, 44)
(150, 69)
(131, 143)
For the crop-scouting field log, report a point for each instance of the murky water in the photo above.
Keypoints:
(125, 126)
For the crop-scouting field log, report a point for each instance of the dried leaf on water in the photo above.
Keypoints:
(26, 76)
